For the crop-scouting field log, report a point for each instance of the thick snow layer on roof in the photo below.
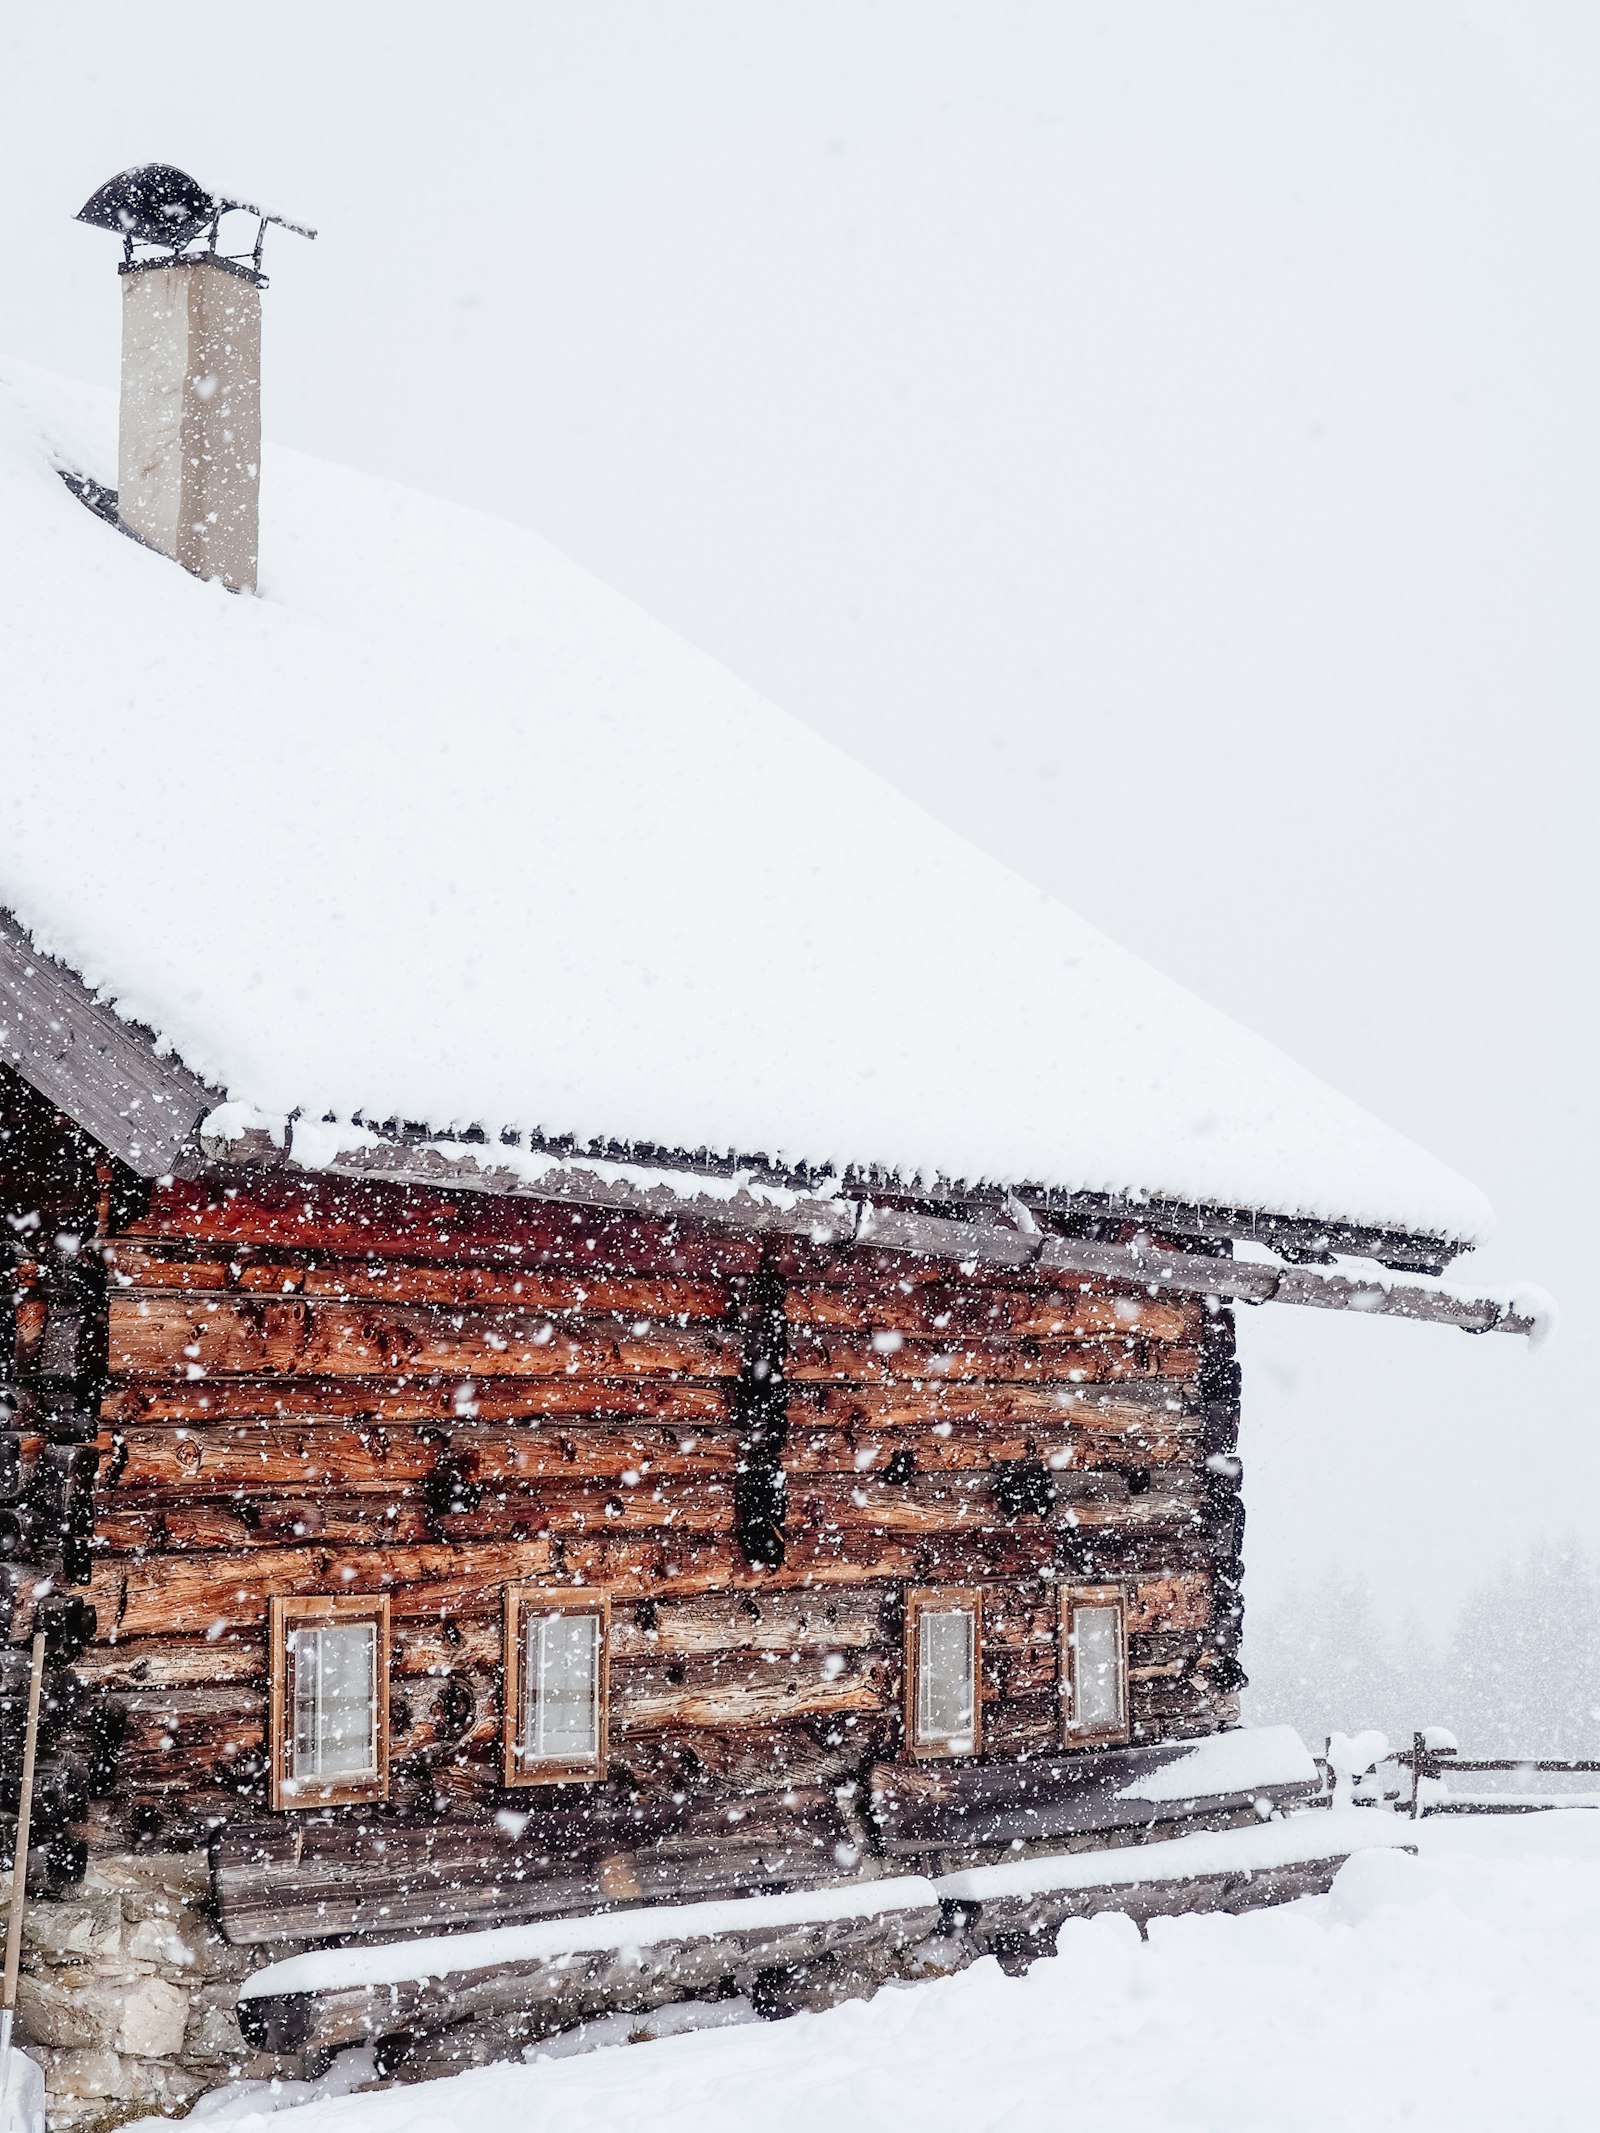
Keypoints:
(440, 828)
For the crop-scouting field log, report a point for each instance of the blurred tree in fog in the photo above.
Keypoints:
(1518, 1674)
(1521, 1670)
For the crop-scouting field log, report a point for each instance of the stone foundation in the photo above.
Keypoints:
(128, 1993)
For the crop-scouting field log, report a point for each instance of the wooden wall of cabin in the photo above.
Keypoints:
(330, 1387)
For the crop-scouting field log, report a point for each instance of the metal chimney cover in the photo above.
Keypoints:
(154, 204)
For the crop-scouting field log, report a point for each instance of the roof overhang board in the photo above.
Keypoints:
(104, 1073)
(1153, 1267)
(746, 1205)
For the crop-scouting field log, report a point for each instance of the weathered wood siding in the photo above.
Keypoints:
(334, 1387)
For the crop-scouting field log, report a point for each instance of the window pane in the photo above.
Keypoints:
(946, 1676)
(334, 1670)
(561, 1688)
(1097, 1668)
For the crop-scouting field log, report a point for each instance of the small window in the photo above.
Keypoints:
(1094, 1664)
(330, 1701)
(555, 1710)
(944, 1713)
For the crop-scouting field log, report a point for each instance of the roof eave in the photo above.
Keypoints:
(147, 1110)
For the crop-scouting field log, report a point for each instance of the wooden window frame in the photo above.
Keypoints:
(939, 1599)
(520, 1602)
(289, 1794)
(1071, 1598)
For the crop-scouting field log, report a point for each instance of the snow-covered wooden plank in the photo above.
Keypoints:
(630, 1958)
(102, 1071)
(933, 1807)
(581, 1856)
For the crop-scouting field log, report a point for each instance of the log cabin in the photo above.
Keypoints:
(599, 1315)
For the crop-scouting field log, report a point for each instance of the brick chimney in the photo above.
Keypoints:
(189, 441)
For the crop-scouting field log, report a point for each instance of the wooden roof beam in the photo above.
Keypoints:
(1151, 1266)
(838, 1220)
(104, 1073)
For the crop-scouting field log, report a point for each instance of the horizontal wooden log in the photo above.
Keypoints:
(174, 1662)
(539, 1861)
(672, 1504)
(927, 1806)
(1139, 1450)
(266, 1894)
(821, 1358)
(642, 1568)
(950, 1503)
(176, 1734)
(751, 1762)
(161, 1334)
(1012, 1677)
(781, 1622)
(184, 1596)
(187, 1733)
(562, 1989)
(354, 1219)
(1018, 1617)
(386, 1398)
(268, 1458)
(1051, 1553)
(1164, 1731)
(976, 1441)
(739, 1691)
(181, 1594)
(919, 1402)
(659, 1298)
(941, 1312)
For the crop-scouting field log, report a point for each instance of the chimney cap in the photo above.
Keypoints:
(152, 204)
(158, 204)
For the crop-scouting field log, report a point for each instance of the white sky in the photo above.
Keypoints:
(1159, 436)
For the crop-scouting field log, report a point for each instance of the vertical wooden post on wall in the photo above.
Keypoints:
(761, 1411)
(1219, 1439)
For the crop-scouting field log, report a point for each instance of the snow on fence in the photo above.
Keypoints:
(1431, 1761)
(1359, 1769)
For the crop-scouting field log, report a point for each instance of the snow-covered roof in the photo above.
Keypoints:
(439, 828)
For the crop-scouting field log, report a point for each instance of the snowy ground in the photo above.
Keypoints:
(1456, 1990)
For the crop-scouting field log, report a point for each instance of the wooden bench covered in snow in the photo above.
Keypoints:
(551, 1974)
(781, 1950)
(925, 1810)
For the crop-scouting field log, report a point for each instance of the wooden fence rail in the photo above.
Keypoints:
(1425, 1762)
